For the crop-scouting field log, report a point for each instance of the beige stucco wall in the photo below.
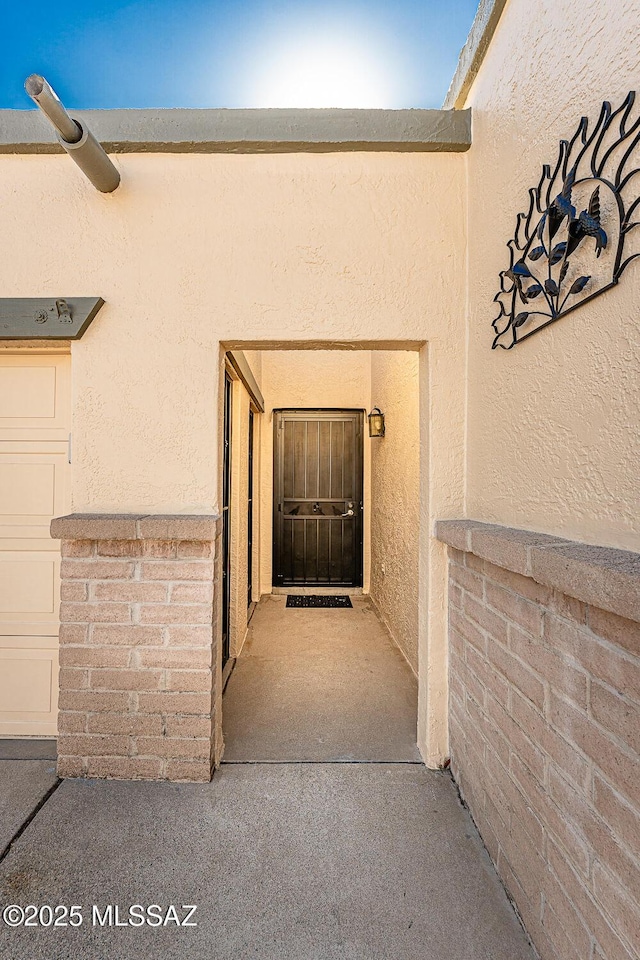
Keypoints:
(193, 251)
(395, 497)
(310, 378)
(553, 438)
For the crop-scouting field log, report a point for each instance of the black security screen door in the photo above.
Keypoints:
(317, 498)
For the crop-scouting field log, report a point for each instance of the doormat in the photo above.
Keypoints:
(315, 601)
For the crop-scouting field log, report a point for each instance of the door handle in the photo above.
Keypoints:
(349, 513)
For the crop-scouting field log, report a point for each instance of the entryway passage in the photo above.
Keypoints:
(320, 685)
(360, 853)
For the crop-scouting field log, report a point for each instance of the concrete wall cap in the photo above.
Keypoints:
(248, 131)
(474, 52)
(132, 526)
(95, 526)
(456, 533)
(177, 527)
(508, 547)
(600, 576)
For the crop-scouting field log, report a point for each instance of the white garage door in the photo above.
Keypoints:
(34, 486)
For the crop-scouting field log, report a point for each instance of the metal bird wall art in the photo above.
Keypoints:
(571, 245)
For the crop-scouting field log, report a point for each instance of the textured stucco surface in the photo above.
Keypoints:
(395, 498)
(192, 250)
(310, 378)
(553, 439)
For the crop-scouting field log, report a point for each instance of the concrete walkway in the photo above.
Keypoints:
(27, 774)
(285, 860)
(320, 685)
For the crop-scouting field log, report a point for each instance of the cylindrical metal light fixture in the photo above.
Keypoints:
(376, 422)
(79, 143)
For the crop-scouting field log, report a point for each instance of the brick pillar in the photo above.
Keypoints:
(139, 661)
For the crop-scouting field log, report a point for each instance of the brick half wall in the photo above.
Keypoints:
(544, 693)
(139, 665)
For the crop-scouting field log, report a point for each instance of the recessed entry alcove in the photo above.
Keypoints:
(313, 505)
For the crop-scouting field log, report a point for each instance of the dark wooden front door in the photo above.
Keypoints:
(317, 498)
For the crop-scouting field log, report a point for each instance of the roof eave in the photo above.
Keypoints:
(248, 131)
(474, 52)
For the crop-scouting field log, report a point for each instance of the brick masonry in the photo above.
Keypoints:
(139, 672)
(544, 737)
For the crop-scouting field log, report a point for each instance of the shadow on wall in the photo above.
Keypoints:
(395, 498)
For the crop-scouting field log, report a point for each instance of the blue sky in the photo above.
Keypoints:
(234, 53)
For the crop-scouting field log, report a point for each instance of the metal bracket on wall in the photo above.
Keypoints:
(46, 318)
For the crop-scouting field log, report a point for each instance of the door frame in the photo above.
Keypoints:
(442, 452)
(251, 492)
(227, 439)
(303, 413)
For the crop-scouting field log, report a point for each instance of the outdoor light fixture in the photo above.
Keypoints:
(376, 423)
(79, 143)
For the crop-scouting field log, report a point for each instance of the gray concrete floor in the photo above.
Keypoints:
(23, 784)
(320, 685)
(27, 749)
(285, 860)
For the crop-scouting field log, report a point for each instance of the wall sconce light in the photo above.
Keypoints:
(376, 423)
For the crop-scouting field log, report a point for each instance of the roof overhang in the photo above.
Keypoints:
(248, 131)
